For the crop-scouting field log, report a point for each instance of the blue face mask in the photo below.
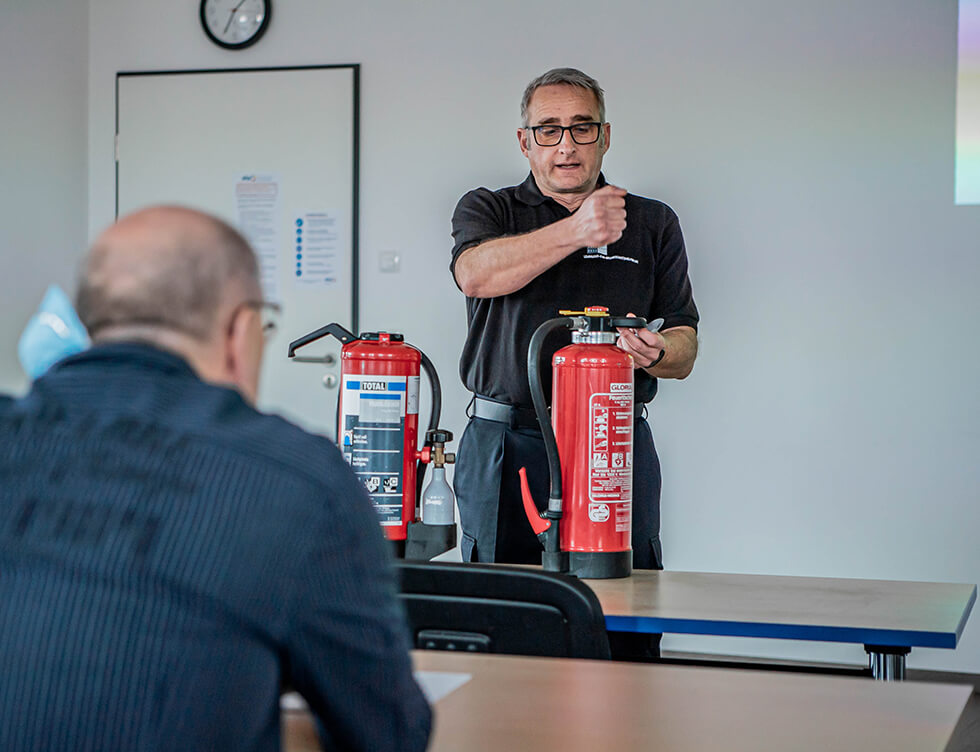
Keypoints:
(53, 333)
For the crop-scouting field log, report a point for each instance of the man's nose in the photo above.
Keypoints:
(567, 143)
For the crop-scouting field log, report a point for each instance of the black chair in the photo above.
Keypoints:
(500, 609)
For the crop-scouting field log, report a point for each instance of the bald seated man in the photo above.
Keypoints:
(169, 556)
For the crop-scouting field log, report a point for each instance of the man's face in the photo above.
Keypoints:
(568, 167)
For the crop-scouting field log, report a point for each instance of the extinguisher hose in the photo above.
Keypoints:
(541, 405)
(430, 372)
(435, 413)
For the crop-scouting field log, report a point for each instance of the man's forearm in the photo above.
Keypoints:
(504, 265)
(680, 352)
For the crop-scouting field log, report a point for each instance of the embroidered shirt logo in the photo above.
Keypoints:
(602, 252)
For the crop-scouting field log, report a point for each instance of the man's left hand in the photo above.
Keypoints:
(646, 347)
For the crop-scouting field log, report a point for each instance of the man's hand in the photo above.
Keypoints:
(601, 218)
(669, 354)
(645, 346)
(504, 265)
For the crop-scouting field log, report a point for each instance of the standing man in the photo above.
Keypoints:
(169, 556)
(562, 239)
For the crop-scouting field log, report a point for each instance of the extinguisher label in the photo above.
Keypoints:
(374, 409)
(611, 447)
(412, 396)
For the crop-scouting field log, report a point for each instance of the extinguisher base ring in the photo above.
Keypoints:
(600, 565)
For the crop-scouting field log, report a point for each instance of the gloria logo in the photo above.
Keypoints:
(598, 512)
(248, 178)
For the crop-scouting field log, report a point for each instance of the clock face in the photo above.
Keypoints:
(235, 23)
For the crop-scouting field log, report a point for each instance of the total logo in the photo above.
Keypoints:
(374, 386)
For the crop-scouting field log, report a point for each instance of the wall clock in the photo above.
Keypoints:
(235, 24)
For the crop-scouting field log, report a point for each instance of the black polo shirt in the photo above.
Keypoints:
(644, 272)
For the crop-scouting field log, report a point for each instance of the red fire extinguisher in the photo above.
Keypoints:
(377, 430)
(589, 441)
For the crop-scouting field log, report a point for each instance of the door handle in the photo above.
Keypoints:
(327, 360)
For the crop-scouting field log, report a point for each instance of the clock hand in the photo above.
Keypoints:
(231, 15)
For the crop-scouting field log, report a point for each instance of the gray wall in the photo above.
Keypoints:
(43, 156)
(830, 426)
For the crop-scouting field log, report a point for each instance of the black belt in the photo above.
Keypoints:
(520, 417)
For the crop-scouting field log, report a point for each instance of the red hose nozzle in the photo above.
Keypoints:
(538, 523)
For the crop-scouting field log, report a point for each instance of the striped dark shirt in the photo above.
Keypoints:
(169, 557)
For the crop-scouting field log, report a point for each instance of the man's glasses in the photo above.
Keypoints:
(551, 135)
(270, 313)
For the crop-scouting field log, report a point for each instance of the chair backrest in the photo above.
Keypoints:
(501, 609)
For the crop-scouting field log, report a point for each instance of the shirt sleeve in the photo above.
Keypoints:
(348, 648)
(673, 299)
(479, 216)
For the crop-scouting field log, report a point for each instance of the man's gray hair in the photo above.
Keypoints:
(177, 278)
(568, 77)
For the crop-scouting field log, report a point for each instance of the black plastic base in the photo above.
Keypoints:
(428, 541)
(397, 548)
(600, 566)
(554, 562)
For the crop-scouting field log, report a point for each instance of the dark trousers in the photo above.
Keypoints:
(494, 525)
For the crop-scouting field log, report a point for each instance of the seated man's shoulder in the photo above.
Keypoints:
(273, 439)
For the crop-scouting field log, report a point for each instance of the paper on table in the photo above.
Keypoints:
(435, 685)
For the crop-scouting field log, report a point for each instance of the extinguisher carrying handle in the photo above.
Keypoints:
(335, 330)
(628, 322)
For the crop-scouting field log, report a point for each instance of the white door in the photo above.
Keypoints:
(273, 152)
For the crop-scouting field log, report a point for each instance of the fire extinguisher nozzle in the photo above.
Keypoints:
(538, 524)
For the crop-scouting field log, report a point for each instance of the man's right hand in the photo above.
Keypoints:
(504, 265)
(601, 218)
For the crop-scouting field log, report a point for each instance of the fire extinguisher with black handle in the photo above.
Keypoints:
(377, 429)
(588, 438)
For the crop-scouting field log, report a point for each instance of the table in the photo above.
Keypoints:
(523, 704)
(888, 617)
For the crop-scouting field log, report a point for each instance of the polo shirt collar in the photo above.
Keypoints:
(142, 354)
(529, 193)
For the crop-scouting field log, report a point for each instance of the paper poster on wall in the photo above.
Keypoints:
(257, 208)
(316, 247)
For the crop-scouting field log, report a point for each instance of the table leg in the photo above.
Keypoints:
(887, 662)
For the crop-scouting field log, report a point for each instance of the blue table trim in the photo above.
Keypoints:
(966, 613)
(890, 637)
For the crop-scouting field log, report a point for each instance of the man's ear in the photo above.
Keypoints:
(522, 140)
(237, 348)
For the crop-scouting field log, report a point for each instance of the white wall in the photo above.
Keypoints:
(43, 188)
(830, 426)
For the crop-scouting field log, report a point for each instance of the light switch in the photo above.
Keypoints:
(389, 261)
